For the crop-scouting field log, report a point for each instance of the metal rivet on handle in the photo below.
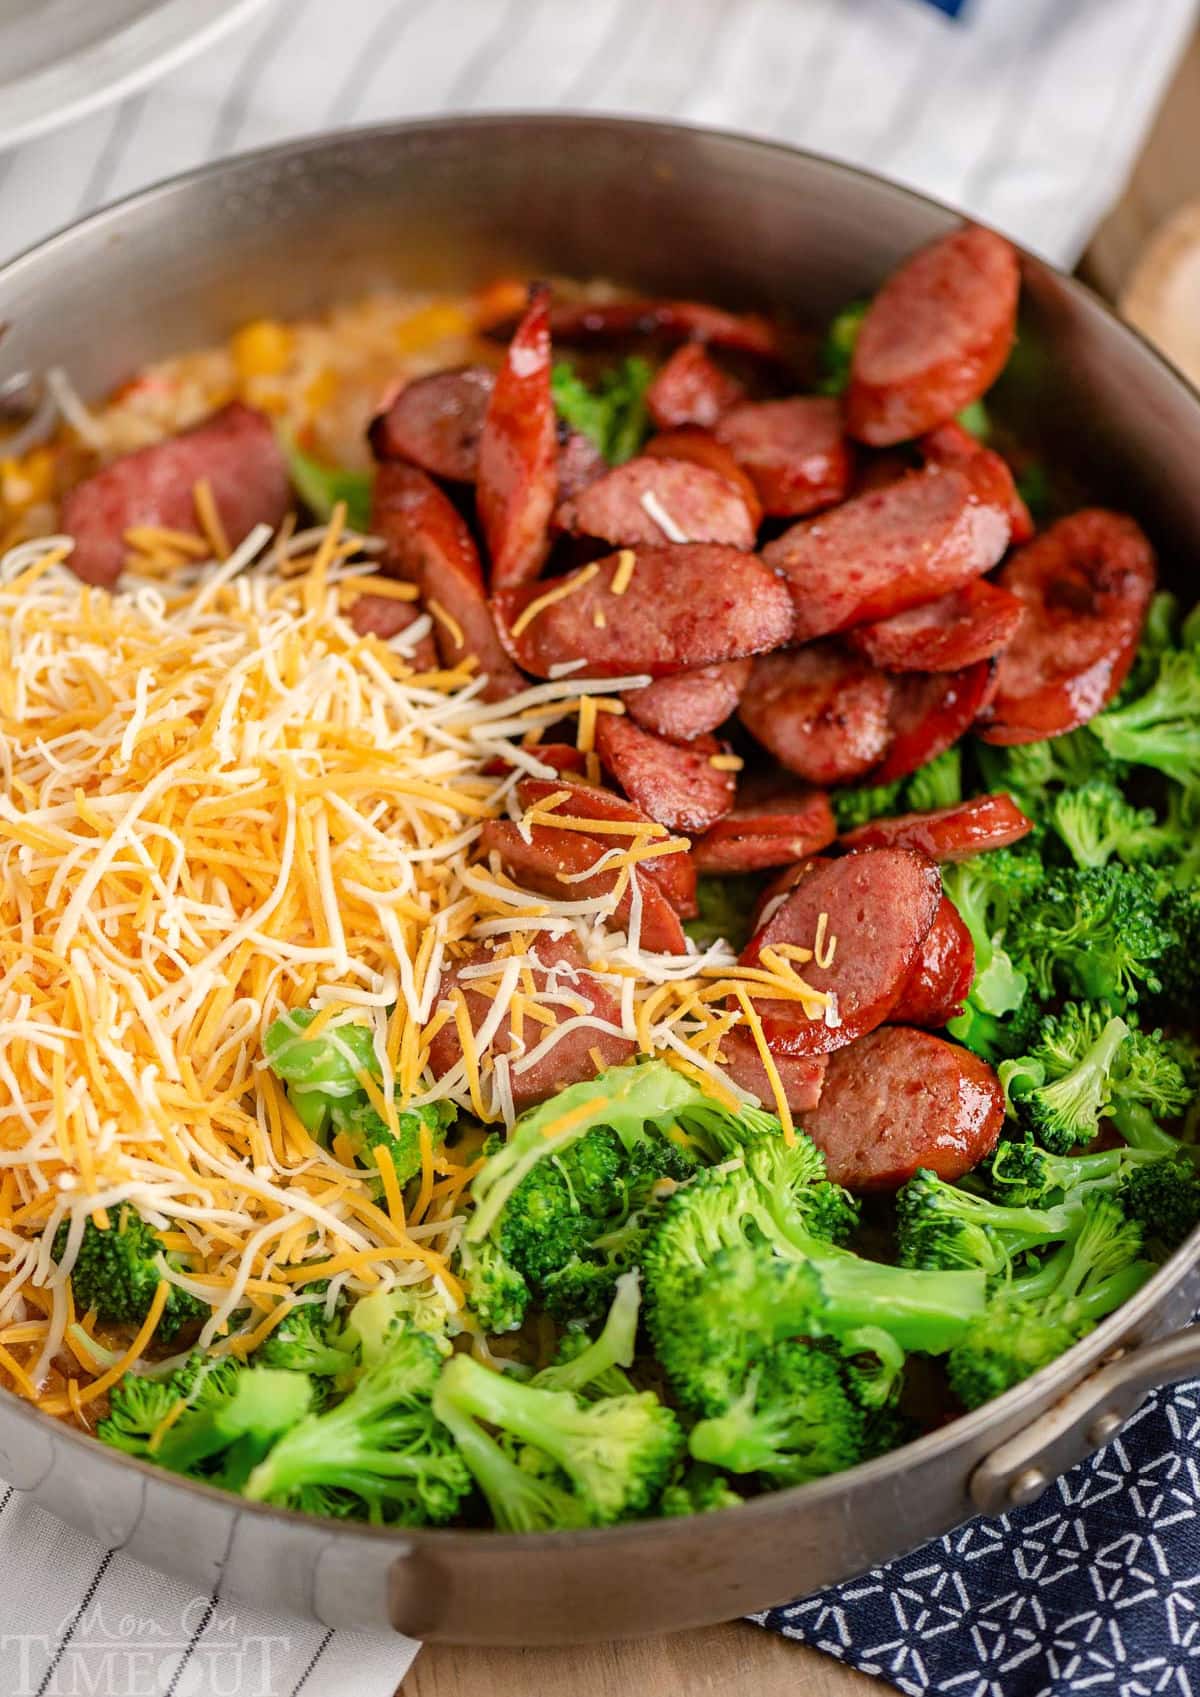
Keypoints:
(1104, 1427)
(1027, 1486)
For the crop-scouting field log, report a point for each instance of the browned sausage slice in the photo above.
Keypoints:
(935, 337)
(823, 713)
(691, 703)
(428, 543)
(970, 827)
(903, 1099)
(548, 858)
(563, 756)
(930, 711)
(940, 982)
(681, 607)
(945, 635)
(866, 917)
(580, 463)
(677, 784)
(647, 502)
(773, 824)
(676, 873)
(434, 422)
(800, 1075)
(771, 897)
(234, 451)
(691, 389)
(700, 447)
(893, 548)
(560, 965)
(795, 451)
(950, 444)
(518, 453)
(744, 332)
(1086, 584)
(385, 617)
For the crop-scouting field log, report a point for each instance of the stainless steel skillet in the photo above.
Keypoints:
(447, 204)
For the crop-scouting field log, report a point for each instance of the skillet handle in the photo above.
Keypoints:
(1085, 1419)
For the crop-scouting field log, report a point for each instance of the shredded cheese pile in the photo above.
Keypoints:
(220, 803)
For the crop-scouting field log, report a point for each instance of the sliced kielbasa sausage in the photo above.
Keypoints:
(691, 389)
(651, 501)
(700, 447)
(890, 549)
(234, 451)
(950, 444)
(677, 784)
(676, 873)
(696, 321)
(385, 617)
(945, 635)
(823, 713)
(904, 1099)
(935, 337)
(940, 982)
(428, 543)
(771, 898)
(795, 451)
(690, 704)
(681, 607)
(559, 965)
(1086, 584)
(865, 918)
(929, 712)
(971, 827)
(545, 859)
(562, 756)
(580, 462)
(772, 824)
(518, 453)
(800, 1075)
(434, 422)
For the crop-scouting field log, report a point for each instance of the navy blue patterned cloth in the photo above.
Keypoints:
(953, 7)
(1093, 1589)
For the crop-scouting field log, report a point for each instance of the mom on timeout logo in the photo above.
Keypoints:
(110, 1655)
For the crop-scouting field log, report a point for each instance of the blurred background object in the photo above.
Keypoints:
(1028, 115)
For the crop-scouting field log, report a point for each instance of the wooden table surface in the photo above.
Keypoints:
(739, 1660)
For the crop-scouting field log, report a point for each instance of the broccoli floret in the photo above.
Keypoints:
(324, 1074)
(874, 1367)
(837, 347)
(381, 1445)
(792, 1421)
(853, 807)
(1025, 1176)
(226, 1431)
(1097, 824)
(1032, 772)
(1180, 965)
(998, 1037)
(1163, 1195)
(118, 1269)
(1030, 1321)
(699, 1490)
(726, 906)
(617, 1452)
(936, 784)
(303, 1342)
(557, 1198)
(1159, 632)
(140, 1404)
(1093, 932)
(596, 1368)
(373, 1318)
(1065, 1106)
(496, 1292)
(940, 1225)
(1161, 727)
(613, 414)
(987, 890)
